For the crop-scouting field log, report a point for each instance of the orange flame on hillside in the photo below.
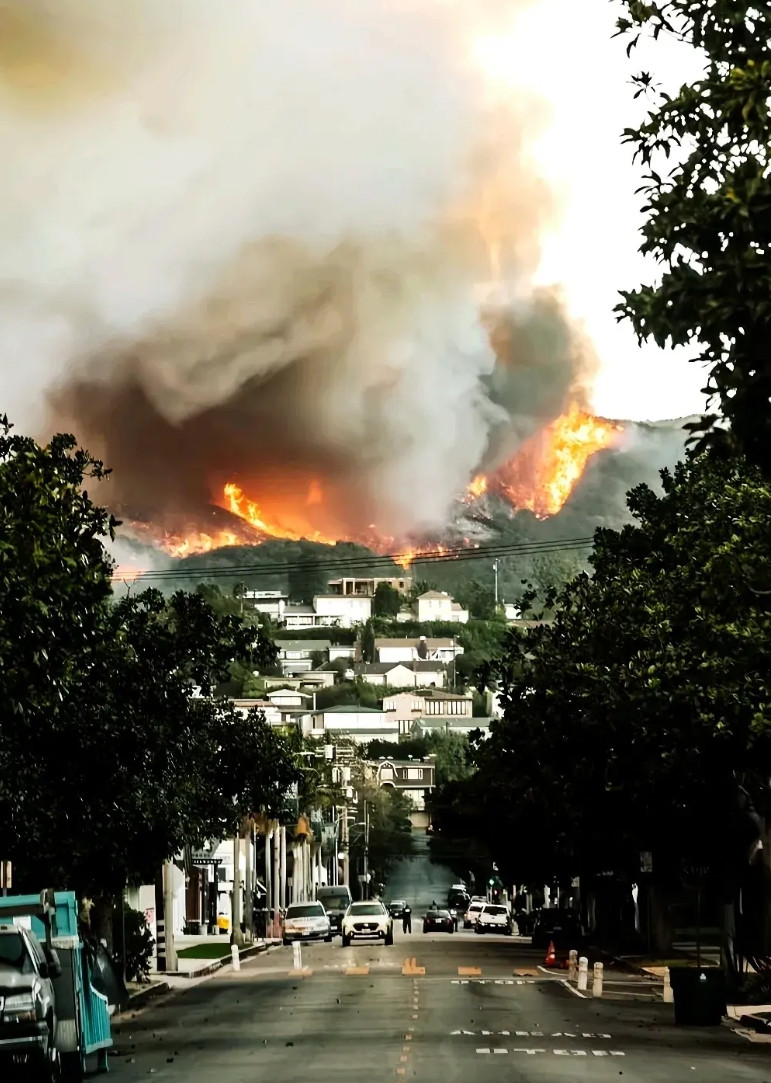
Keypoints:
(236, 501)
(543, 473)
(540, 477)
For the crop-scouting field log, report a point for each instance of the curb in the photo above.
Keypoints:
(139, 996)
(226, 960)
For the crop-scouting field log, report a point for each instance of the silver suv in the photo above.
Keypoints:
(27, 1002)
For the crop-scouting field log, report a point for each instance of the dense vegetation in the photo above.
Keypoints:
(110, 760)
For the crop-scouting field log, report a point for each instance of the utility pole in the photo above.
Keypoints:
(249, 890)
(495, 569)
(366, 849)
(237, 937)
(276, 879)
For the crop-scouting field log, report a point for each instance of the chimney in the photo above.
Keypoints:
(422, 648)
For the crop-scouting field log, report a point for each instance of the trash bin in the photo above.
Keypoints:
(699, 995)
(192, 928)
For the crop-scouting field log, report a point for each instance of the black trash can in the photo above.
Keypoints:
(699, 995)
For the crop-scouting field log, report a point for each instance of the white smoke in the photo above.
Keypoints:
(199, 197)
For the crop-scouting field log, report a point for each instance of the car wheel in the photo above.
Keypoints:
(72, 1067)
(286, 942)
(328, 939)
(346, 941)
(389, 938)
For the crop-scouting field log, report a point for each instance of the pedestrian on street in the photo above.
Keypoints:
(407, 920)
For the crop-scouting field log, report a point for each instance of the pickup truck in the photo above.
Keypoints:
(28, 1004)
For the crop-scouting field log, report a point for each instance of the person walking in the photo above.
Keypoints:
(407, 920)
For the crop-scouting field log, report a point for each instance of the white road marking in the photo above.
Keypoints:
(575, 992)
(557, 1052)
(525, 1034)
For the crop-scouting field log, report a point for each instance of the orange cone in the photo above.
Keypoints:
(551, 955)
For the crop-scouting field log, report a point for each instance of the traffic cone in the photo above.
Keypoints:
(551, 955)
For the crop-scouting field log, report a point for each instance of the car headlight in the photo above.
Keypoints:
(21, 1006)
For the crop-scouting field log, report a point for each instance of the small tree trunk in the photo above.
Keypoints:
(661, 925)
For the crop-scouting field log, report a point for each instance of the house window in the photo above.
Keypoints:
(387, 773)
(415, 773)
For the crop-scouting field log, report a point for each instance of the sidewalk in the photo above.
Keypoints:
(190, 969)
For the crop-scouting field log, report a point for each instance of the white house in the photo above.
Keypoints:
(413, 650)
(272, 602)
(344, 610)
(413, 778)
(270, 710)
(290, 697)
(415, 674)
(438, 605)
(447, 704)
(446, 724)
(361, 724)
(302, 655)
(367, 587)
(341, 650)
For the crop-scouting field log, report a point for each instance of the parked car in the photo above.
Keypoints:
(306, 921)
(458, 898)
(493, 919)
(397, 907)
(438, 921)
(562, 927)
(472, 914)
(335, 901)
(368, 920)
(28, 1002)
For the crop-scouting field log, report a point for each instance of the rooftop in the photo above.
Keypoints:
(350, 708)
(417, 666)
(436, 693)
(432, 644)
(303, 644)
(434, 594)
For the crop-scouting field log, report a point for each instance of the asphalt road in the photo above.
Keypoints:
(437, 1009)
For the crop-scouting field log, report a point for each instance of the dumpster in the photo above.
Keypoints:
(83, 1017)
(699, 995)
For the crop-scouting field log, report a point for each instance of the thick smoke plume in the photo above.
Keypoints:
(249, 242)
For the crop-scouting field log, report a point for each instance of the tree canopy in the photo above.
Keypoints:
(707, 153)
(113, 753)
(633, 722)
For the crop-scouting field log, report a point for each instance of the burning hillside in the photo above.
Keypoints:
(540, 477)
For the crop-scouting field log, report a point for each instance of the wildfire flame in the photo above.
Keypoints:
(543, 473)
(540, 477)
(236, 501)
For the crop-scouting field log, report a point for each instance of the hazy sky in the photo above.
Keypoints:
(563, 49)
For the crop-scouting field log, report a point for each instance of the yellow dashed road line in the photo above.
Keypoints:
(362, 970)
(469, 972)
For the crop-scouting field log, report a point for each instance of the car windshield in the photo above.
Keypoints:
(439, 914)
(399, 902)
(369, 909)
(13, 954)
(495, 910)
(305, 910)
(476, 906)
(334, 898)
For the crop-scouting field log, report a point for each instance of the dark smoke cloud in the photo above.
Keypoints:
(250, 243)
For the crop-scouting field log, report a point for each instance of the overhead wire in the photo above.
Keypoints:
(404, 560)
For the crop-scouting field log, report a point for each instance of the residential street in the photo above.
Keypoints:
(438, 1009)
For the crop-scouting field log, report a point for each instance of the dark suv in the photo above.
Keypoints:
(27, 1002)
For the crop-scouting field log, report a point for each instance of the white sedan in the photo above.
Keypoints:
(306, 921)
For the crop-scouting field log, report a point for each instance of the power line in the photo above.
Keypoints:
(360, 562)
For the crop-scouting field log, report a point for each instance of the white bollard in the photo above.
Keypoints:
(297, 955)
(572, 965)
(669, 996)
(583, 972)
(234, 955)
(597, 983)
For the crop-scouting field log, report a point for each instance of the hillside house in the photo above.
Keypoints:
(422, 727)
(290, 697)
(415, 674)
(360, 724)
(271, 602)
(270, 710)
(413, 778)
(302, 655)
(343, 610)
(438, 605)
(367, 587)
(414, 650)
